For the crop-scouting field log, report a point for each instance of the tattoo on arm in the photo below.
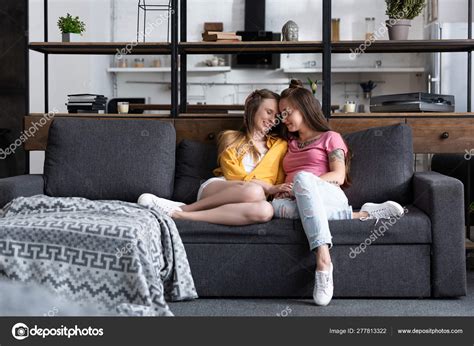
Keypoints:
(334, 182)
(336, 155)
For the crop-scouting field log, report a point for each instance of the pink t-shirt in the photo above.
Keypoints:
(313, 158)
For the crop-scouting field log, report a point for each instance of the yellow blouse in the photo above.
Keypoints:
(269, 169)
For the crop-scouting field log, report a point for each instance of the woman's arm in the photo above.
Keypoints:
(337, 167)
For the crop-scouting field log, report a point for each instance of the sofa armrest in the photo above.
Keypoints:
(21, 185)
(442, 198)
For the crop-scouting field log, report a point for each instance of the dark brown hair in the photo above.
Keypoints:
(309, 106)
(242, 138)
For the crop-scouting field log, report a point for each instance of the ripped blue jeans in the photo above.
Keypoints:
(316, 202)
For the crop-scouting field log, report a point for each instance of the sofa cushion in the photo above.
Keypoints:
(413, 228)
(109, 158)
(195, 162)
(381, 169)
(382, 165)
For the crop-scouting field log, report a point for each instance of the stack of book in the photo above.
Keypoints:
(214, 32)
(86, 103)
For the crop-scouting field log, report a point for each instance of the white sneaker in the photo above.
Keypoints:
(164, 205)
(384, 210)
(323, 287)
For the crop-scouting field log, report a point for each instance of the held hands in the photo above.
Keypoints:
(282, 190)
(284, 195)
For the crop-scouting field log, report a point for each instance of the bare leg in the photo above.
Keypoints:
(220, 193)
(231, 214)
(323, 258)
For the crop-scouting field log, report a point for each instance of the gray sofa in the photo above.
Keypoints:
(419, 255)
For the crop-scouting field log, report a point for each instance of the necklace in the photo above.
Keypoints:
(304, 144)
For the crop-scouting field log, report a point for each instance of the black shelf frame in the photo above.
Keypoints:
(46, 57)
(179, 47)
(327, 48)
(327, 61)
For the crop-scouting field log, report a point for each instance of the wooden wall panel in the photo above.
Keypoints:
(442, 135)
(204, 130)
(427, 132)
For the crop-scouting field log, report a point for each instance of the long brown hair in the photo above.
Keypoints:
(242, 139)
(309, 106)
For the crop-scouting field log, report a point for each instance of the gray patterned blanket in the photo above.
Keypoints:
(118, 256)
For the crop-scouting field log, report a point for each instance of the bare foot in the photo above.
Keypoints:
(177, 214)
(359, 214)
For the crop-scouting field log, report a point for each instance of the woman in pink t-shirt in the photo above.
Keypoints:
(317, 164)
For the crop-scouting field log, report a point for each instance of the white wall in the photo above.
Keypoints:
(453, 11)
(308, 15)
(115, 20)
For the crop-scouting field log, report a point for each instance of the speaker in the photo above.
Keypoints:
(255, 15)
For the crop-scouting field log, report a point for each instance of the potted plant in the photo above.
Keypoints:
(367, 87)
(71, 28)
(400, 14)
(313, 85)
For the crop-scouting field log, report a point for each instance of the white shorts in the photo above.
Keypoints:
(206, 183)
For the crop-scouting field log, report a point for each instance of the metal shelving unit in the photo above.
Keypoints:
(198, 69)
(326, 47)
(180, 47)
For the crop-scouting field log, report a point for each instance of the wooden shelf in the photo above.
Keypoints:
(237, 108)
(108, 48)
(408, 46)
(205, 69)
(221, 109)
(358, 70)
(210, 115)
(403, 115)
(96, 115)
(251, 47)
(382, 46)
(182, 115)
(469, 245)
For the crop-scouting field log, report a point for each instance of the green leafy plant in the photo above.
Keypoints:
(367, 87)
(404, 9)
(313, 85)
(471, 208)
(71, 25)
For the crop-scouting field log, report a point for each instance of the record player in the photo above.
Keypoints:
(412, 102)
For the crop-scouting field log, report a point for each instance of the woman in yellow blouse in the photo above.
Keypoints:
(250, 170)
